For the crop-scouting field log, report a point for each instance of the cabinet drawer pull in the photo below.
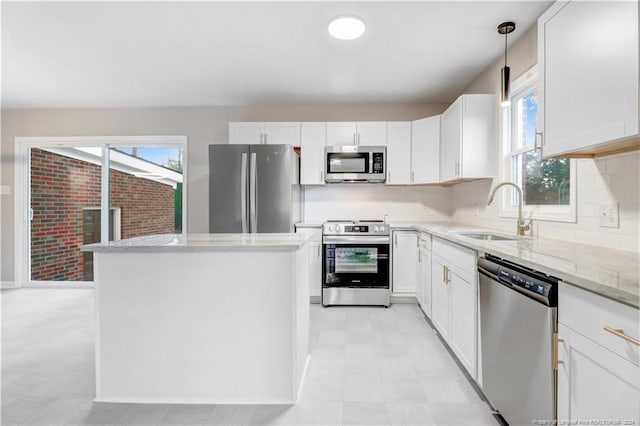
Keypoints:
(556, 361)
(620, 333)
(444, 274)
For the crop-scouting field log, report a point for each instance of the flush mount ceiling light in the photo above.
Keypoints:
(346, 27)
(505, 28)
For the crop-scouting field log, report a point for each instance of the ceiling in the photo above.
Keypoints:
(140, 54)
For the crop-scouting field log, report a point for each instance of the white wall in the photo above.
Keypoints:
(599, 181)
(362, 201)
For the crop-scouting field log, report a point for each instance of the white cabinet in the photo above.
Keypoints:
(264, 133)
(598, 372)
(468, 140)
(454, 299)
(373, 133)
(425, 150)
(404, 256)
(423, 281)
(588, 76)
(312, 160)
(398, 153)
(314, 259)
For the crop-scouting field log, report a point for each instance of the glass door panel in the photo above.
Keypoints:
(64, 184)
(145, 186)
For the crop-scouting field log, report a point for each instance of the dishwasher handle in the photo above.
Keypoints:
(488, 268)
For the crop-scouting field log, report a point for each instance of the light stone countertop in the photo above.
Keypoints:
(611, 273)
(203, 242)
(614, 274)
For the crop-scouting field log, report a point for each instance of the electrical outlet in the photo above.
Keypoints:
(609, 215)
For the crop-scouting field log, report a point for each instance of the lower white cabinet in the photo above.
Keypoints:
(598, 372)
(314, 257)
(454, 291)
(423, 279)
(404, 256)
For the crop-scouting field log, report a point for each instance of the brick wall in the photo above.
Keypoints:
(61, 187)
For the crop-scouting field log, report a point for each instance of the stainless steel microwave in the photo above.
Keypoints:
(355, 163)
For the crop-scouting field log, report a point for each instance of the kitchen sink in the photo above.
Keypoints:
(488, 236)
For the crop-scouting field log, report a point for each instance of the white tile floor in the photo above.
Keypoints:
(369, 366)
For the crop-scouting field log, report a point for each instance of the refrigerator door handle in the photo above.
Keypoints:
(243, 192)
(252, 194)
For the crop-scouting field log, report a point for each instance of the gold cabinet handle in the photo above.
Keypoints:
(444, 274)
(556, 361)
(620, 333)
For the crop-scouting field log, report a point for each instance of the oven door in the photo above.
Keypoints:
(355, 262)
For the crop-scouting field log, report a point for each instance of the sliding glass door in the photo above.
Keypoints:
(69, 194)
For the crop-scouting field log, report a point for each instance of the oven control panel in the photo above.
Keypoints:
(355, 228)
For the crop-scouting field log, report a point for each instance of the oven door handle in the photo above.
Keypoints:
(345, 239)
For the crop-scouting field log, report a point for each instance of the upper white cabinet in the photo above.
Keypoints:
(360, 133)
(312, 161)
(264, 133)
(468, 142)
(398, 153)
(404, 262)
(425, 150)
(598, 356)
(588, 76)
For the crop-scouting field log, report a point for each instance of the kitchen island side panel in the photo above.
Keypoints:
(198, 327)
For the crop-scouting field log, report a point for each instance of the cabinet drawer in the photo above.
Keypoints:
(424, 242)
(588, 314)
(462, 257)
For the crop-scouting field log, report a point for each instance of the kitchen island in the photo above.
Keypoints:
(201, 318)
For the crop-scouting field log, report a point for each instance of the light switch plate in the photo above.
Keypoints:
(609, 215)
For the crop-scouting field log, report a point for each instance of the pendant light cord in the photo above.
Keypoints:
(505, 48)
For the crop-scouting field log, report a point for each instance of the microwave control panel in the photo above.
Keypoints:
(378, 162)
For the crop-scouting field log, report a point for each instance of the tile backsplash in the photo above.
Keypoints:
(612, 179)
(373, 201)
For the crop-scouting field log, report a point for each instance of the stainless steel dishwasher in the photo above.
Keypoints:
(518, 320)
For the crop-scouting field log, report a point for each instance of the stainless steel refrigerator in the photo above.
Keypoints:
(253, 188)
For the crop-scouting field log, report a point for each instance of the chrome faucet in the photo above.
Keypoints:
(522, 227)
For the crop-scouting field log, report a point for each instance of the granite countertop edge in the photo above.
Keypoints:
(202, 243)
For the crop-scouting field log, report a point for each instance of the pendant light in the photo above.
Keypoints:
(505, 28)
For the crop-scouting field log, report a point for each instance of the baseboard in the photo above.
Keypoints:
(403, 299)
(8, 285)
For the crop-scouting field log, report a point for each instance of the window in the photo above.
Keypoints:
(548, 185)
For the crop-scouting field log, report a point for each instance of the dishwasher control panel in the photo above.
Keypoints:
(535, 284)
(528, 283)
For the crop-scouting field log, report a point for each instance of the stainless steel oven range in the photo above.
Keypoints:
(355, 263)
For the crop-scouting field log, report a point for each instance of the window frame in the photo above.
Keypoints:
(508, 196)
